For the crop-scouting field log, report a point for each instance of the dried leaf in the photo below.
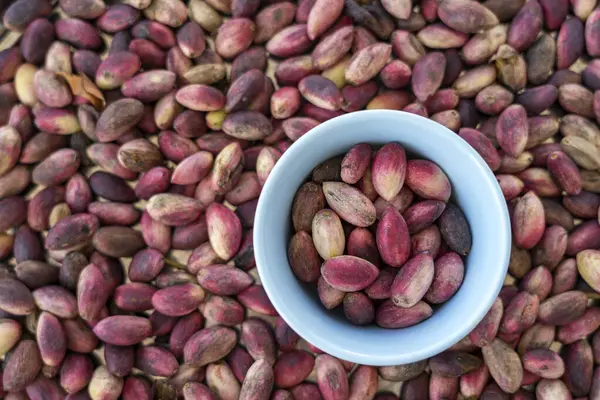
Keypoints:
(82, 86)
(164, 391)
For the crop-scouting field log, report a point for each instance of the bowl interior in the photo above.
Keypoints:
(475, 190)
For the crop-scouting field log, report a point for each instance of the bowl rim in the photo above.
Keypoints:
(283, 308)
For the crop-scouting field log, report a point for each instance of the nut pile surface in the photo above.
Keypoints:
(385, 221)
(135, 137)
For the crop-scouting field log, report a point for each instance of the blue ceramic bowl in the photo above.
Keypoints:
(474, 189)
